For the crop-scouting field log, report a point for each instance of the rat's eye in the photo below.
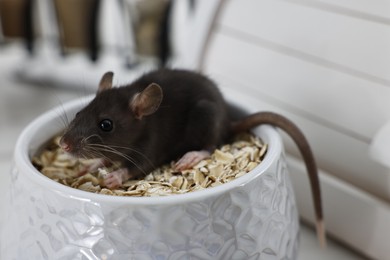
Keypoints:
(106, 125)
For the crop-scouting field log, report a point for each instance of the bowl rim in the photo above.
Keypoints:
(22, 161)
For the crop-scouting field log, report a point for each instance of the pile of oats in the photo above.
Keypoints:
(225, 164)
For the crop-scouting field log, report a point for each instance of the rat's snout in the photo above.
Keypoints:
(65, 145)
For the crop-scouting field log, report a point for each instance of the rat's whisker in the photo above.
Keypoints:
(95, 153)
(62, 116)
(86, 139)
(130, 159)
(89, 153)
(61, 111)
(99, 151)
(123, 155)
(116, 147)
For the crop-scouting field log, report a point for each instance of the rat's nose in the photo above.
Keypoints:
(65, 146)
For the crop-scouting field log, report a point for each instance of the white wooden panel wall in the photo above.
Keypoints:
(323, 64)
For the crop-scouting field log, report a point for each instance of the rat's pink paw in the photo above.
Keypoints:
(190, 159)
(116, 178)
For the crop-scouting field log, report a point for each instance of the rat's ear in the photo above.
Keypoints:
(146, 102)
(106, 81)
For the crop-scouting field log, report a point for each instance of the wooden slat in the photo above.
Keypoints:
(343, 156)
(326, 66)
(334, 99)
(371, 11)
(351, 215)
(349, 44)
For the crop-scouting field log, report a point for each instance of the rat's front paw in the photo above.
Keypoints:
(190, 159)
(116, 178)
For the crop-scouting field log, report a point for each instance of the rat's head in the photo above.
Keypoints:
(111, 123)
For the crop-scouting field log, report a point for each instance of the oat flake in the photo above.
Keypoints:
(225, 164)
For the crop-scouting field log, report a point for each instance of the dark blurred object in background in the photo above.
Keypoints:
(77, 22)
(75, 41)
(16, 18)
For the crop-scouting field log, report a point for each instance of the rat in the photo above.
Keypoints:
(165, 115)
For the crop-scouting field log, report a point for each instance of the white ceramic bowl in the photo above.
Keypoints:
(252, 217)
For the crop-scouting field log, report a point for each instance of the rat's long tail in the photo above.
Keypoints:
(300, 140)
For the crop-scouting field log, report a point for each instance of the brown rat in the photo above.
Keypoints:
(162, 116)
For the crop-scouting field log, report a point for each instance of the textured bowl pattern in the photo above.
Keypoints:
(252, 217)
(257, 220)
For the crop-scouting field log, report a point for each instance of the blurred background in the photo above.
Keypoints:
(323, 64)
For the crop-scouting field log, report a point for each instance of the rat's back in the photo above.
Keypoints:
(188, 86)
(192, 114)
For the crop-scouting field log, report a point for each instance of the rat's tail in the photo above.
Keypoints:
(300, 140)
